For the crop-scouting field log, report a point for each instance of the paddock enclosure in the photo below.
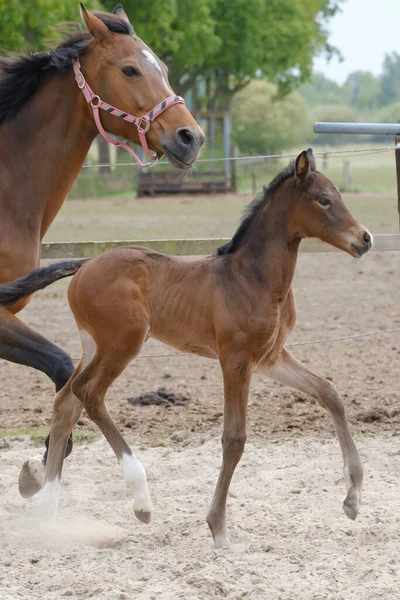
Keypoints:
(290, 537)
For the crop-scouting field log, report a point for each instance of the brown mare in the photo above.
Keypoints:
(46, 129)
(236, 307)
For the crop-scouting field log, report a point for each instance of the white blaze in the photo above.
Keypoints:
(152, 59)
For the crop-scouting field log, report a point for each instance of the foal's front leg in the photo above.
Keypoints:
(237, 376)
(289, 371)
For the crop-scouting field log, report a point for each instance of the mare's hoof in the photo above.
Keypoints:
(31, 477)
(143, 516)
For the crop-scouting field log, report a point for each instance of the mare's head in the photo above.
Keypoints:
(126, 73)
(318, 210)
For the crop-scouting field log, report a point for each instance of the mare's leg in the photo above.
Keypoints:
(237, 377)
(91, 385)
(291, 372)
(22, 345)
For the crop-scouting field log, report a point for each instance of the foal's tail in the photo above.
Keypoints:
(10, 293)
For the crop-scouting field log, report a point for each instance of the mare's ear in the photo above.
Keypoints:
(94, 26)
(305, 163)
(119, 11)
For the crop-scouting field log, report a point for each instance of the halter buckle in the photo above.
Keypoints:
(80, 80)
(146, 127)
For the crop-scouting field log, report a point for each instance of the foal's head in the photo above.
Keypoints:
(318, 210)
(126, 73)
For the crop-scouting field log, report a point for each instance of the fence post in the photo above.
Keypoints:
(397, 153)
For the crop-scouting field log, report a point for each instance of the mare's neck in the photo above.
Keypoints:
(42, 150)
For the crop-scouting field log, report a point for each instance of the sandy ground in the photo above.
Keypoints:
(290, 537)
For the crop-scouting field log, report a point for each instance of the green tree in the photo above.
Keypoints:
(28, 24)
(274, 40)
(390, 78)
(321, 90)
(263, 123)
(363, 90)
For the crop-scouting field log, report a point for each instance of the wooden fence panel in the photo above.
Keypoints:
(192, 247)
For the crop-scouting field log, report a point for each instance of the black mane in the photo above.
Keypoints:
(251, 210)
(22, 75)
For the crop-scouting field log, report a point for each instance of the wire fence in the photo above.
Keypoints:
(350, 167)
(292, 345)
(336, 153)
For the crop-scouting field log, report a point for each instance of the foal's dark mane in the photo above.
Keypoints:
(252, 209)
(22, 75)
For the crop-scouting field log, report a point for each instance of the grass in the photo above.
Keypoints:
(38, 435)
(187, 217)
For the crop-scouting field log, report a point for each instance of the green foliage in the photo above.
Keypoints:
(29, 23)
(275, 40)
(264, 123)
(363, 90)
(321, 90)
(390, 78)
(388, 114)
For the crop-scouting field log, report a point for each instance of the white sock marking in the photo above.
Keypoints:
(136, 481)
(47, 500)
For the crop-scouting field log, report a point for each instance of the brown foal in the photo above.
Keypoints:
(46, 129)
(236, 307)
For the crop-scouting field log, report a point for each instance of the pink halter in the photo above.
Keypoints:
(142, 123)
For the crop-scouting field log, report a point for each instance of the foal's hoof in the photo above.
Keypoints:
(143, 516)
(31, 477)
(222, 543)
(351, 505)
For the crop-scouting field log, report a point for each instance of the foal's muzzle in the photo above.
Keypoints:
(363, 245)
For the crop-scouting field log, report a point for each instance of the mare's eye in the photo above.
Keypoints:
(324, 202)
(130, 72)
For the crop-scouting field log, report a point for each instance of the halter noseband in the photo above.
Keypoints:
(142, 123)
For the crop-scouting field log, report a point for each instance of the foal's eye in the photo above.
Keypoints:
(324, 202)
(130, 72)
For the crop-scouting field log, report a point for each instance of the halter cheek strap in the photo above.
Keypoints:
(142, 123)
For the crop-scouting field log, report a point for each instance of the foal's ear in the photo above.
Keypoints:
(94, 26)
(119, 11)
(304, 164)
(311, 158)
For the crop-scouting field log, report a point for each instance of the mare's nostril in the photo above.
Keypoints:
(366, 238)
(185, 137)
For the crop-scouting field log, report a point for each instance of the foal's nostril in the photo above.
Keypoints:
(366, 238)
(185, 137)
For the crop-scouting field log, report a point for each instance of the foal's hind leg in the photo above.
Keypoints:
(66, 412)
(91, 385)
(291, 372)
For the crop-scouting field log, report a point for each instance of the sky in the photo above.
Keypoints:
(364, 31)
